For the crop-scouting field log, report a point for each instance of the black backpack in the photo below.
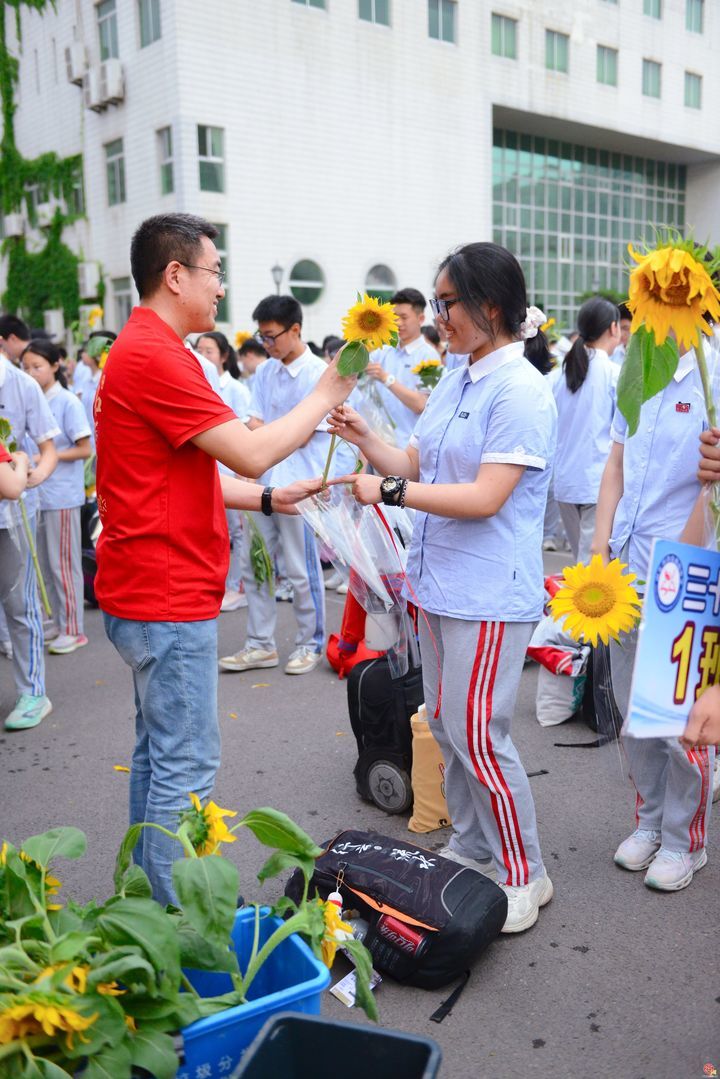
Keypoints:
(429, 918)
(380, 708)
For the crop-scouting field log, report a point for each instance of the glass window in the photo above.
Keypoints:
(122, 297)
(115, 171)
(375, 11)
(694, 10)
(311, 3)
(307, 281)
(106, 14)
(556, 51)
(693, 90)
(211, 157)
(380, 282)
(504, 36)
(653, 8)
(221, 243)
(165, 157)
(651, 78)
(75, 192)
(441, 19)
(607, 65)
(149, 19)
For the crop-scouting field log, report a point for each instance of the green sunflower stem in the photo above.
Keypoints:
(712, 419)
(33, 554)
(331, 451)
(296, 924)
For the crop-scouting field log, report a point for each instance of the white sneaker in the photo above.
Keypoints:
(249, 659)
(716, 779)
(302, 661)
(6, 649)
(638, 850)
(333, 580)
(65, 643)
(672, 870)
(284, 591)
(486, 868)
(524, 903)
(233, 601)
(342, 589)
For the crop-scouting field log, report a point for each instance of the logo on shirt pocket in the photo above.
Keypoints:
(463, 415)
(682, 406)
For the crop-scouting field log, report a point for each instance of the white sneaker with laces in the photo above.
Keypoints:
(233, 601)
(672, 870)
(249, 659)
(486, 868)
(524, 902)
(638, 850)
(65, 643)
(302, 660)
(716, 779)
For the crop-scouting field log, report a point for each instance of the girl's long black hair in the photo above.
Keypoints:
(227, 352)
(594, 317)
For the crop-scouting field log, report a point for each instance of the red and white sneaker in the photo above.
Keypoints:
(65, 644)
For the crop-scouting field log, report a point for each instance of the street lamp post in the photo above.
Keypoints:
(277, 276)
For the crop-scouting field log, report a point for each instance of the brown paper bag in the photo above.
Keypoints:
(430, 810)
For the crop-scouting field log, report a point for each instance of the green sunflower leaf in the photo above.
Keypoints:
(354, 359)
(647, 370)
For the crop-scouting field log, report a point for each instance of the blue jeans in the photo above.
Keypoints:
(177, 737)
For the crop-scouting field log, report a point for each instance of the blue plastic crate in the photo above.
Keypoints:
(292, 979)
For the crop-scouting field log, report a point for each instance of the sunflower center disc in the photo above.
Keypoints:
(675, 294)
(370, 321)
(595, 600)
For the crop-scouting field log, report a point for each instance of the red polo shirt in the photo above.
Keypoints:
(163, 551)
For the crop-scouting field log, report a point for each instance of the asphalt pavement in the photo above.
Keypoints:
(615, 981)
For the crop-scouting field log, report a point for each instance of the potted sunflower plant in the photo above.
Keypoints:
(127, 987)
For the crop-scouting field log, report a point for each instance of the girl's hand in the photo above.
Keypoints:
(346, 423)
(20, 460)
(365, 488)
(709, 468)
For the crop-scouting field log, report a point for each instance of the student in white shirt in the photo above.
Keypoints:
(402, 392)
(61, 497)
(477, 470)
(585, 397)
(618, 354)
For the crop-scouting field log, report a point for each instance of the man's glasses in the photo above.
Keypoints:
(441, 308)
(220, 274)
(267, 339)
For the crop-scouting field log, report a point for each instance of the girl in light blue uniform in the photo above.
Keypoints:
(477, 470)
(585, 397)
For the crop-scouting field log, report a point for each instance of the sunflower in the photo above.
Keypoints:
(671, 290)
(426, 365)
(95, 314)
(41, 1013)
(596, 601)
(336, 932)
(241, 337)
(207, 827)
(76, 980)
(371, 322)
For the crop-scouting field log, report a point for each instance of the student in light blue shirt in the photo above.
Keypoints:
(477, 470)
(61, 497)
(648, 491)
(584, 393)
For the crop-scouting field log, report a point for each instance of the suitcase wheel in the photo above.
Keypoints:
(390, 787)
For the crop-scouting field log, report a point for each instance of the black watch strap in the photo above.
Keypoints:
(266, 501)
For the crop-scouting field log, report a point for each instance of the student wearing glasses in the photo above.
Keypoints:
(476, 471)
(289, 375)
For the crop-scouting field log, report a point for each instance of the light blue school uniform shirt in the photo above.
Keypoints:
(584, 421)
(88, 400)
(399, 361)
(81, 378)
(277, 389)
(23, 404)
(498, 410)
(660, 464)
(455, 359)
(237, 397)
(64, 489)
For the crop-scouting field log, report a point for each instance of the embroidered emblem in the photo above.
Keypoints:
(463, 415)
(682, 406)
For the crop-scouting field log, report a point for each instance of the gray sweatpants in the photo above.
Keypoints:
(488, 793)
(19, 600)
(673, 786)
(302, 562)
(579, 523)
(60, 554)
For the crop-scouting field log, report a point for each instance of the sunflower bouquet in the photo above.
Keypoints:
(429, 372)
(100, 989)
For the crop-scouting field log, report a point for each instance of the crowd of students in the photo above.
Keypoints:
(511, 425)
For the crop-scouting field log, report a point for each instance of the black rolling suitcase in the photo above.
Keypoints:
(380, 708)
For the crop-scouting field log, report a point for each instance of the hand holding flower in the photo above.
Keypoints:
(345, 422)
(364, 487)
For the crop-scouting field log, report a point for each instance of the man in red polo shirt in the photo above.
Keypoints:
(163, 551)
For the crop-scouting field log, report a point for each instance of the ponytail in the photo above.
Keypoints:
(538, 353)
(595, 317)
(576, 365)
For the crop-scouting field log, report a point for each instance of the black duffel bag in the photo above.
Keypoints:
(429, 918)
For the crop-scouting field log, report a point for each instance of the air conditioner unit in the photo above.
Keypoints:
(54, 322)
(112, 82)
(88, 280)
(45, 212)
(76, 62)
(13, 225)
(91, 90)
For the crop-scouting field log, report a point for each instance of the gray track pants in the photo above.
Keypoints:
(60, 554)
(488, 793)
(19, 600)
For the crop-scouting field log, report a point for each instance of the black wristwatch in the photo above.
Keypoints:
(392, 490)
(266, 501)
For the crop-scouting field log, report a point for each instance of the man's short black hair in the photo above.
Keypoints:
(252, 346)
(625, 312)
(161, 239)
(11, 324)
(285, 310)
(410, 296)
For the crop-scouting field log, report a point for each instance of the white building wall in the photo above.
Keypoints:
(353, 144)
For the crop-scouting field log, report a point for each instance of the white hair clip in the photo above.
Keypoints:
(534, 319)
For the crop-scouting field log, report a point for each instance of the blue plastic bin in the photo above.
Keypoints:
(292, 979)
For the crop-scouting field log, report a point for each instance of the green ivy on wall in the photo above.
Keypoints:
(36, 281)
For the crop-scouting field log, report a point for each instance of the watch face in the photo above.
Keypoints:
(389, 485)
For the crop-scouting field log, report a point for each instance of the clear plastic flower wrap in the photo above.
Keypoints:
(366, 398)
